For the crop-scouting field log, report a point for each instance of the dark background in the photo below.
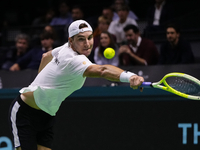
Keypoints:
(17, 17)
(25, 11)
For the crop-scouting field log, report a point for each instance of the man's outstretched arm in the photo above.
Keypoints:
(113, 73)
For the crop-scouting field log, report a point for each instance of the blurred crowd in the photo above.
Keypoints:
(117, 27)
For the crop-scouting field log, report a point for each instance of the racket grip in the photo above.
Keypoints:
(146, 84)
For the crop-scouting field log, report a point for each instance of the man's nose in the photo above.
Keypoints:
(87, 43)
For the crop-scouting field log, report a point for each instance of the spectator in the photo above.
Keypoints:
(103, 24)
(77, 13)
(108, 13)
(118, 3)
(106, 40)
(49, 28)
(14, 53)
(116, 26)
(159, 14)
(57, 41)
(65, 17)
(36, 39)
(32, 59)
(139, 51)
(175, 50)
(44, 19)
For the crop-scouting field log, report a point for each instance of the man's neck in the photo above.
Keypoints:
(20, 53)
(175, 42)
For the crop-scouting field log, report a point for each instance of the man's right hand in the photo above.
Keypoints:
(136, 81)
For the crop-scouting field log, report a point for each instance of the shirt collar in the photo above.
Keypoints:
(139, 41)
(137, 45)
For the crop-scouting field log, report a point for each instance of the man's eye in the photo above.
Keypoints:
(81, 39)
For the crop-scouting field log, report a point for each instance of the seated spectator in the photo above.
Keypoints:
(118, 3)
(32, 59)
(44, 19)
(57, 40)
(35, 40)
(175, 50)
(108, 13)
(103, 24)
(77, 13)
(14, 53)
(139, 51)
(116, 26)
(106, 40)
(159, 14)
(64, 17)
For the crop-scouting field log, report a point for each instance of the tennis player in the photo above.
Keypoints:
(62, 71)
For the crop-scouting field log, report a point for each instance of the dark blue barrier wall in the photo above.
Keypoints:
(150, 73)
(120, 118)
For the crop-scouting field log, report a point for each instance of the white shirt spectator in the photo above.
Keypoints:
(157, 14)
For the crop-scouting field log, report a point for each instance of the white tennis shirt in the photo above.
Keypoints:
(58, 79)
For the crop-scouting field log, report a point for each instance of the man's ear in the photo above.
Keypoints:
(178, 34)
(70, 40)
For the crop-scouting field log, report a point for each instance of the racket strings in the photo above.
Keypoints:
(184, 85)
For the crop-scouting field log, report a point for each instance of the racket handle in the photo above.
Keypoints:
(146, 84)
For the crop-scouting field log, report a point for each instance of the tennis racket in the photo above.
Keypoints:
(180, 84)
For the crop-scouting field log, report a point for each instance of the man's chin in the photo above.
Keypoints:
(87, 54)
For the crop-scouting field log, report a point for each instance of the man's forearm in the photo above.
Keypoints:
(113, 73)
(108, 72)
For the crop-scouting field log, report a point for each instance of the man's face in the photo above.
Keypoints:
(22, 45)
(107, 13)
(122, 14)
(63, 9)
(172, 35)
(131, 37)
(47, 43)
(103, 26)
(82, 43)
(77, 14)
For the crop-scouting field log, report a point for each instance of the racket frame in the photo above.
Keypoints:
(170, 89)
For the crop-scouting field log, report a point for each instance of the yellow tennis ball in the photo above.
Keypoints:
(109, 53)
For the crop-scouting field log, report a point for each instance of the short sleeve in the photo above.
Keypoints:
(79, 64)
